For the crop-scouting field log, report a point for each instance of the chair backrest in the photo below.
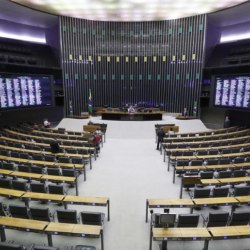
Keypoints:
(56, 189)
(36, 169)
(10, 246)
(64, 159)
(67, 216)
(241, 190)
(212, 162)
(76, 160)
(239, 173)
(225, 174)
(217, 219)
(201, 192)
(41, 213)
(54, 171)
(225, 161)
(239, 218)
(38, 157)
(5, 183)
(23, 168)
(49, 158)
(8, 166)
(19, 211)
(220, 191)
(239, 160)
(19, 185)
(69, 172)
(188, 220)
(38, 187)
(207, 175)
(92, 218)
(196, 163)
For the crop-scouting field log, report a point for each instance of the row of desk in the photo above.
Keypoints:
(65, 199)
(198, 234)
(50, 229)
(191, 203)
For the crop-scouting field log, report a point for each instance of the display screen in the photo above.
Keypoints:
(232, 91)
(23, 91)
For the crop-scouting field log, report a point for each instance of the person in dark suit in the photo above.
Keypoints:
(160, 136)
(227, 122)
(55, 147)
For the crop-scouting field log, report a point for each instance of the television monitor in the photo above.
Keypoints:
(25, 91)
(167, 220)
(232, 91)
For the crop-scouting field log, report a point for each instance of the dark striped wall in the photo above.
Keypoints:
(132, 62)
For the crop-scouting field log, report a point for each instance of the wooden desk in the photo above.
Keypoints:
(243, 199)
(5, 172)
(88, 201)
(11, 193)
(206, 182)
(76, 230)
(26, 175)
(28, 196)
(218, 201)
(176, 234)
(167, 203)
(232, 232)
(234, 180)
(21, 224)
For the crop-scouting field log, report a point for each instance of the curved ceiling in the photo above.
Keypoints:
(128, 10)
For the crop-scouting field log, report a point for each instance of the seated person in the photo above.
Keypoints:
(171, 132)
(96, 140)
(46, 123)
(55, 147)
(185, 112)
(131, 110)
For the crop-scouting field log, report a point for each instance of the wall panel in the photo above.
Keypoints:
(132, 62)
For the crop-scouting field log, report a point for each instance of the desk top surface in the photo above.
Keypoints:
(11, 192)
(243, 199)
(169, 202)
(229, 231)
(73, 228)
(86, 199)
(23, 223)
(217, 200)
(43, 196)
(161, 233)
(209, 181)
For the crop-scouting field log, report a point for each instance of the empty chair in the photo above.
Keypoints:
(217, 219)
(187, 153)
(247, 159)
(225, 174)
(8, 166)
(64, 159)
(24, 155)
(212, 162)
(84, 247)
(69, 172)
(36, 169)
(225, 161)
(56, 189)
(54, 171)
(11, 246)
(239, 160)
(220, 191)
(38, 157)
(4, 152)
(5, 183)
(239, 173)
(239, 218)
(19, 185)
(41, 213)
(23, 168)
(188, 220)
(71, 151)
(49, 158)
(213, 152)
(92, 218)
(67, 216)
(182, 163)
(201, 193)
(38, 187)
(241, 190)
(76, 160)
(206, 174)
(14, 154)
(247, 149)
(202, 152)
(196, 163)
(83, 151)
(226, 151)
(19, 211)
(235, 150)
